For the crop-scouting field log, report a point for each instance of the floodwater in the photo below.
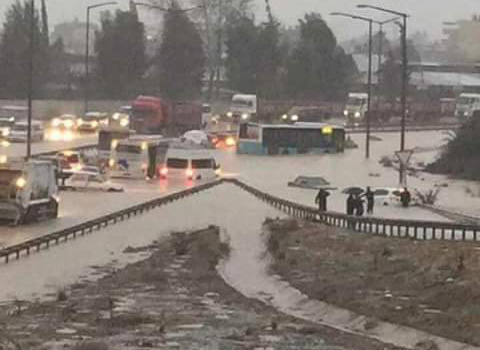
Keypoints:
(238, 213)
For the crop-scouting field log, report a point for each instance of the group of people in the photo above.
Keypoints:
(356, 201)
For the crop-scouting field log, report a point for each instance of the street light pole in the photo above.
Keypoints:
(87, 51)
(30, 78)
(404, 77)
(369, 83)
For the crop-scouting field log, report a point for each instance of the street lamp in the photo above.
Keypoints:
(404, 75)
(369, 88)
(87, 49)
(160, 8)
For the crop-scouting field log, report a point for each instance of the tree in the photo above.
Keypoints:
(318, 67)
(15, 49)
(241, 45)
(391, 77)
(216, 17)
(120, 54)
(180, 61)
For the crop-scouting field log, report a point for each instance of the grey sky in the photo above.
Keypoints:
(425, 14)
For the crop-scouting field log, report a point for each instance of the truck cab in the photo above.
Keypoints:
(28, 191)
(244, 107)
(356, 107)
(466, 105)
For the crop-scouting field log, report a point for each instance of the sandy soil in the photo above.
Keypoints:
(432, 286)
(173, 300)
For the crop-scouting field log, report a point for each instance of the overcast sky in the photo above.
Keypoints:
(425, 14)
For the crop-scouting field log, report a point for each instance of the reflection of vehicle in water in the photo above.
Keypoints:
(190, 163)
(223, 139)
(299, 138)
(244, 107)
(467, 105)
(91, 181)
(6, 124)
(19, 132)
(92, 121)
(28, 191)
(138, 157)
(356, 107)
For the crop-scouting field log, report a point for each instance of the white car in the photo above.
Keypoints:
(92, 121)
(91, 181)
(387, 195)
(19, 132)
(6, 124)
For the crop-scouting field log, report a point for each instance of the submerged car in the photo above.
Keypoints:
(311, 182)
(84, 180)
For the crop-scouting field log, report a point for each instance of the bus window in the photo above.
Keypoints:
(177, 163)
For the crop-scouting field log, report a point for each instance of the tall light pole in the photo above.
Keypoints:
(87, 50)
(404, 75)
(380, 44)
(369, 87)
(30, 78)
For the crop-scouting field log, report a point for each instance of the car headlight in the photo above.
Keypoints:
(5, 132)
(3, 159)
(21, 182)
(358, 114)
(68, 124)
(5, 143)
(245, 116)
(294, 118)
(111, 163)
(345, 113)
(94, 124)
(124, 122)
(230, 114)
(285, 117)
(114, 144)
(55, 122)
(80, 122)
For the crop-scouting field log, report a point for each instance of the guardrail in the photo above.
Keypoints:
(409, 128)
(96, 224)
(413, 229)
(73, 149)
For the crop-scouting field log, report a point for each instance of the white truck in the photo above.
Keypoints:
(466, 105)
(356, 107)
(243, 107)
(28, 191)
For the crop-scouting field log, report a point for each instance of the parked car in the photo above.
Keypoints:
(19, 131)
(91, 181)
(383, 195)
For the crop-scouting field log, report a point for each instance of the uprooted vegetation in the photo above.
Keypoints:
(433, 286)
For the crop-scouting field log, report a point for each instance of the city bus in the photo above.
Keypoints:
(298, 138)
(139, 156)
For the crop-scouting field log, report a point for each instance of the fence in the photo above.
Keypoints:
(413, 229)
(97, 224)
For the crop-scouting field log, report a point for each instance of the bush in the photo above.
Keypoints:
(429, 197)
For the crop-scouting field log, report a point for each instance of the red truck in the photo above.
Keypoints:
(151, 115)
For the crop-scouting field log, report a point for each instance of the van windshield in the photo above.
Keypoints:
(356, 101)
(203, 164)
(20, 127)
(177, 163)
(242, 103)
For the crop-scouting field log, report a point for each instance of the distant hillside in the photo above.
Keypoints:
(461, 157)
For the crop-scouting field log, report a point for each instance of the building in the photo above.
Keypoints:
(73, 35)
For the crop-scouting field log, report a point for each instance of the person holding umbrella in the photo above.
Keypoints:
(321, 200)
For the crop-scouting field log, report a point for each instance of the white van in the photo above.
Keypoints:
(190, 164)
(19, 131)
(244, 107)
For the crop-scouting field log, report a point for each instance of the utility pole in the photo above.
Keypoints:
(30, 78)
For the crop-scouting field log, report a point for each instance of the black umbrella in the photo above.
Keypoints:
(353, 190)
